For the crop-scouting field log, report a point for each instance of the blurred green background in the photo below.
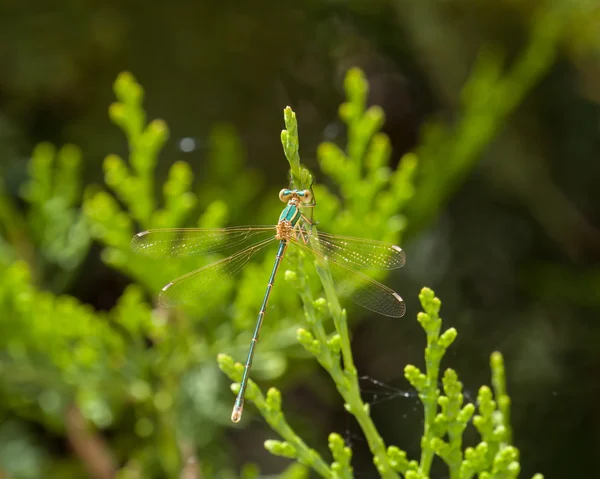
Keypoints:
(499, 101)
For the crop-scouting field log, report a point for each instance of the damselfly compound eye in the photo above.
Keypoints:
(307, 196)
(285, 195)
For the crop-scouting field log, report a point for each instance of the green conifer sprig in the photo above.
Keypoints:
(446, 414)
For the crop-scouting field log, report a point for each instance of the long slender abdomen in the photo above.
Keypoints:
(238, 407)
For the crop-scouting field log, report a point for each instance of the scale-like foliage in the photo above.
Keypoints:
(149, 374)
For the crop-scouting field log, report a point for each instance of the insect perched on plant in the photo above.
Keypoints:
(340, 254)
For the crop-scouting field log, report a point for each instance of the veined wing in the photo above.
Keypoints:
(189, 287)
(358, 287)
(359, 252)
(161, 243)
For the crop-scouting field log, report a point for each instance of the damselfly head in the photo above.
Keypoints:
(305, 196)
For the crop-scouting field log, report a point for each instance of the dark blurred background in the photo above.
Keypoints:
(512, 248)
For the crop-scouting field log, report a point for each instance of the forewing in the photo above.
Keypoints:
(173, 242)
(359, 252)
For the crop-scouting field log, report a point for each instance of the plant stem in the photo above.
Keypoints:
(346, 377)
(429, 399)
(305, 455)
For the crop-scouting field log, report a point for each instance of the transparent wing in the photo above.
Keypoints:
(188, 288)
(161, 243)
(361, 289)
(361, 253)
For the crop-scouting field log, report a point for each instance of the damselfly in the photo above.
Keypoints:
(340, 254)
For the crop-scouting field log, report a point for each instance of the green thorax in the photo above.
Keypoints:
(290, 213)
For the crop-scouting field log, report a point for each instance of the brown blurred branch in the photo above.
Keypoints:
(89, 446)
(191, 467)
